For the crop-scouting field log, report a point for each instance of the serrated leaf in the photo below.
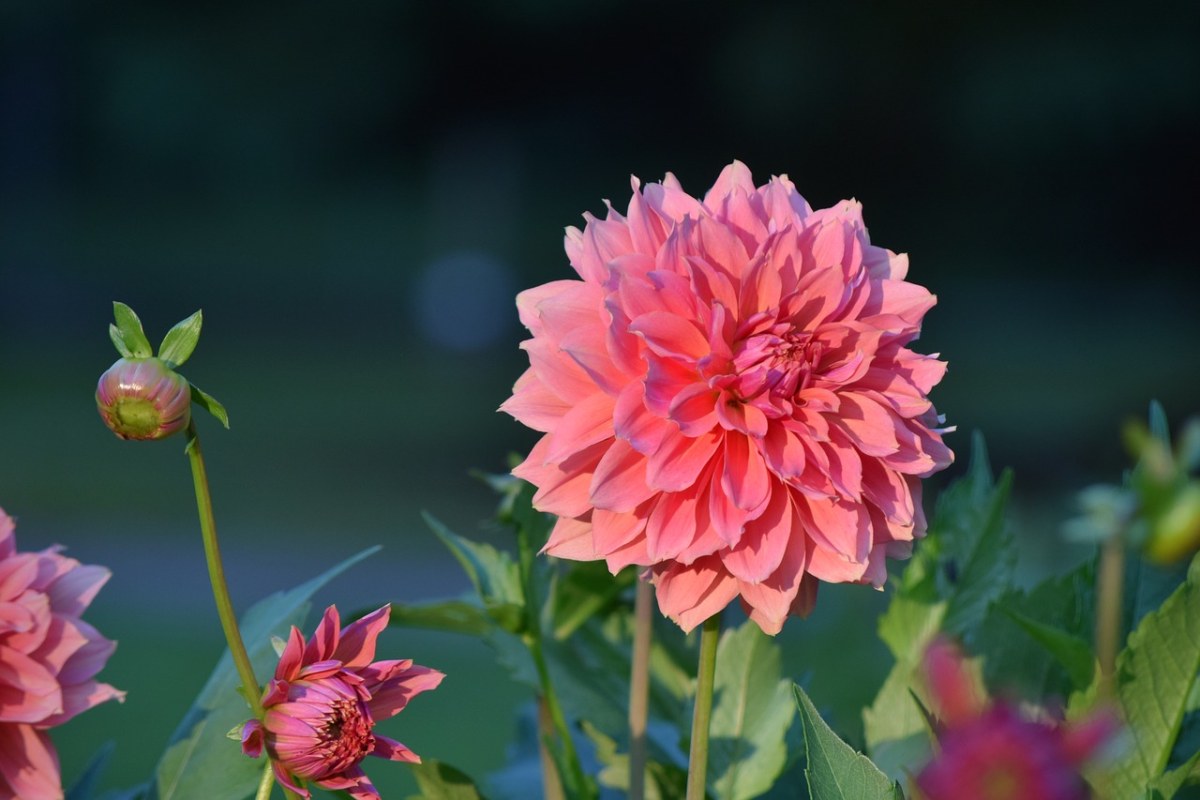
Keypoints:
(493, 574)
(85, 787)
(209, 404)
(129, 328)
(1172, 781)
(586, 588)
(1155, 673)
(200, 763)
(180, 341)
(455, 616)
(440, 781)
(836, 771)
(751, 715)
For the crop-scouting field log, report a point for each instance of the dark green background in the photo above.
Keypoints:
(354, 192)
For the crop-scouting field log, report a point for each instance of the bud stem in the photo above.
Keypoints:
(705, 678)
(251, 689)
(639, 689)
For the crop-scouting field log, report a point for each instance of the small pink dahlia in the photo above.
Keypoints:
(49, 658)
(728, 398)
(324, 702)
(990, 751)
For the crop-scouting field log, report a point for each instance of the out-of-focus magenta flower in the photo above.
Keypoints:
(990, 751)
(143, 398)
(728, 398)
(324, 702)
(49, 658)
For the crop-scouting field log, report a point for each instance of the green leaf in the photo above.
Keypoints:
(209, 404)
(751, 715)
(440, 781)
(1071, 651)
(586, 588)
(493, 573)
(455, 616)
(129, 330)
(1171, 782)
(836, 771)
(114, 333)
(200, 763)
(180, 341)
(1155, 673)
(663, 781)
(85, 787)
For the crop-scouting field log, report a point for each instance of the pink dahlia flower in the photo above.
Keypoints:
(49, 658)
(988, 750)
(324, 702)
(728, 398)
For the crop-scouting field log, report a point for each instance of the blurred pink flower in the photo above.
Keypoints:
(48, 661)
(728, 398)
(324, 702)
(988, 750)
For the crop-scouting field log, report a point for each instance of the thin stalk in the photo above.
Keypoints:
(698, 756)
(1110, 585)
(639, 690)
(251, 689)
(551, 782)
(266, 784)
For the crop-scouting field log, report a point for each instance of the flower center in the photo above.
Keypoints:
(778, 364)
(343, 737)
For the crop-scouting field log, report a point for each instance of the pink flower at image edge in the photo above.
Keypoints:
(323, 704)
(49, 658)
(728, 398)
(989, 750)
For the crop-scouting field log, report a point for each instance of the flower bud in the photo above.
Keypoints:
(1175, 534)
(142, 398)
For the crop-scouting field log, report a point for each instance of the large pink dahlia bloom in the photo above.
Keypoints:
(728, 398)
(49, 658)
(322, 706)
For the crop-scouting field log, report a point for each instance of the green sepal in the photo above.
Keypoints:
(114, 333)
(180, 341)
(209, 404)
(129, 330)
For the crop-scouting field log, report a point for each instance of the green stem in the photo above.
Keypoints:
(639, 690)
(251, 689)
(698, 756)
(266, 784)
(1110, 584)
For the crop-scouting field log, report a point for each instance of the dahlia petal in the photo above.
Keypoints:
(26, 623)
(624, 349)
(357, 645)
(782, 203)
(834, 567)
(845, 465)
(534, 405)
(530, 300)
(783, 452)
(394, 751)
(786, 591)
(675, 466)
(560, 373)
(390, 699)
(619, 482)
(646, 227)
(670, 201)
(588, 346)
(745, 479)
(872, 428)
(563, 487)
(635, 423)
(671, 336)
(762, 286)
(628, 554)
(838, 526)
(29, 691)
(8, 539)
(285, 779)
(671, 526)
(695, 409)
(690, 594)
(612, 530)
(252, 738)
(85, 649)
(734, 178)
(712, 286)
(588, 422)
(29, 764)
(17, 574)
(571, 538)
(575, 305)
(291, 657)
(820, 293)
(888, 492)
(760, 549)
(72, 592)
(728, 520)
(743, 418)
(721, 246)
(325, 639)
(665, 379)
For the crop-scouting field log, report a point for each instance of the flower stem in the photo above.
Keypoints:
(266, 784)
(698, 756)
(251, 689)
(1110, 584)
(639, 690)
